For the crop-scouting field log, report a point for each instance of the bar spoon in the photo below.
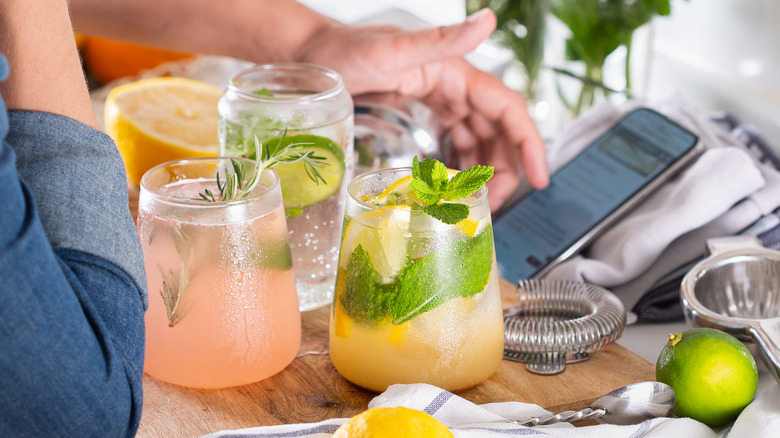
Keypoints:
(630, 404)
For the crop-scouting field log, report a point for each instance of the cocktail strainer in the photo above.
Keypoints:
(737, 289)
(558, 322)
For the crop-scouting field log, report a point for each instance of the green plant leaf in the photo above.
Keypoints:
(467, 182)
(425, 192)
(364, 298)
(460, 269)
(431, 183)
(450, 214)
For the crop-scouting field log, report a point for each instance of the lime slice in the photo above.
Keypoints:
(298, 189)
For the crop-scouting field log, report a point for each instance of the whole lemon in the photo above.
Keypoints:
(713, 375)
(399, 422)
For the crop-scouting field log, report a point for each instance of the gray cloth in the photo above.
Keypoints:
(725, 191)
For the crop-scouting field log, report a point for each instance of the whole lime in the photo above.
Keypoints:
(713, 375)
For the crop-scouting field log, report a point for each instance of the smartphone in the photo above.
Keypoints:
(590, 192)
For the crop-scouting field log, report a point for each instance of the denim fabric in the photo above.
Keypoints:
(72, 289)
(78, 180)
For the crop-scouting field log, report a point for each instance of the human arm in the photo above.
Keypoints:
(488, 121)
(71, 278)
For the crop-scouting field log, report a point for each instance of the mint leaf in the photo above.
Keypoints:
(264, 92)
(459, 269)
(450, 214)
(425, 192)
(467, 182)
(431, 183)
(364, 298)
(416, 169)
(439, 174)
(426, 170)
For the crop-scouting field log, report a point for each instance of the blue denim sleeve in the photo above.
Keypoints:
(72, 289)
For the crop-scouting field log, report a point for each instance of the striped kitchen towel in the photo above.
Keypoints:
(468, 420)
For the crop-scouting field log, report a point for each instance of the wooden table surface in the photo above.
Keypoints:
(311, 390)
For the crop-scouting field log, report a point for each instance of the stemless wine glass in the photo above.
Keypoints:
(417, 300)
(309, 106)
(223, 310)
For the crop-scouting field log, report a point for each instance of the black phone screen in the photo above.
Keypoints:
(544, 224)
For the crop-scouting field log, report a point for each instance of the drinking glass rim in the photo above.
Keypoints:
(481, 193)
(253, 197)
(337, 88)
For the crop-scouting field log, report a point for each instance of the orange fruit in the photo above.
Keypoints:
(107, 60)
(80, 39)
(713, 375)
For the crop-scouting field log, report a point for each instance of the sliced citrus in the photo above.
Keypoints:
(399, 334)
(342, 322)
(161, 119)
(383, 234)
(398, 422)
(402, 187)
(299, 190)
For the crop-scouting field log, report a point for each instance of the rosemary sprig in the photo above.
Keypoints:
(172, 293)
(267, 155)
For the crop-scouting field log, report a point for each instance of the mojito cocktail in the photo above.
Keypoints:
(223, 309)
(417, 300)
(306, 105)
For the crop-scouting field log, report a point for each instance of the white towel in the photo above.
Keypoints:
(723, 192)
(468, 420)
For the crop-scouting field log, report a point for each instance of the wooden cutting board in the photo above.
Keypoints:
(311, 390)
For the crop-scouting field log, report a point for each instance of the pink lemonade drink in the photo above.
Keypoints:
(417, 300)
(223, 309)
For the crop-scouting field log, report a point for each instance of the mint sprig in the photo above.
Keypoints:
(432, 184)
(460, 269)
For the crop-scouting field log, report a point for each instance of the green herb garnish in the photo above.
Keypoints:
(267, 154)
(264, 92)
(431, 183)
(422, 284)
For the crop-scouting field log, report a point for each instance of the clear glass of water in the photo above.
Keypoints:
(309, 105)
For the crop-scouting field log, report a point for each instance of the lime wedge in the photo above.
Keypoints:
(298, 190)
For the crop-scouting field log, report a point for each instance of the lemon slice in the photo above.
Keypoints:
(383, 234)
(161, 119)
(401, 186)
(298, 189)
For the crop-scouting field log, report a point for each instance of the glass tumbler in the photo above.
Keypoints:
(417, 300)
(308, 105)
(223, 309)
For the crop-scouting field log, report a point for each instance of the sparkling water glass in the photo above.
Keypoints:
(307, 105)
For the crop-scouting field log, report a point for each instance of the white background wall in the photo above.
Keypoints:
(722, 54)
(718, 54)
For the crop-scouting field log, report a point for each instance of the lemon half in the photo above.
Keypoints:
(399, 422)
(161, 119)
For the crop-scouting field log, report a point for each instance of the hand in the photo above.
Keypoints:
(489, 123)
